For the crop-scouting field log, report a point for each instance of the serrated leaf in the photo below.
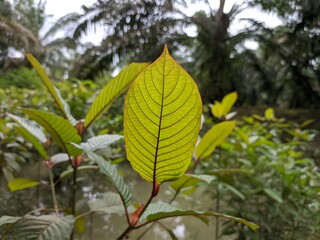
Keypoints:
(62, 105)
(112, 90)
(215, 136)
(30, 127)
(59, 128)
(160, 210)
(100, 142)
(21, 183)
(114, 177)
(162, 118)
(8, 220)
(49, 227)
(33, 140)
(109, 203)
(228, 101)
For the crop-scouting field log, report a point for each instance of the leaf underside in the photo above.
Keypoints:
(162, 120)
(47, 227)
(114, 176)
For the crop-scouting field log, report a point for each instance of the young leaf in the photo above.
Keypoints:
(160, 210)
(59, 128)
(228, 101)
(42, 227)
(32, 139)
(215, 136)
(62, 105)
(99, 142)
(112, 90)
(217, 109)
(21, 183)
(113, 175)
(162, 120)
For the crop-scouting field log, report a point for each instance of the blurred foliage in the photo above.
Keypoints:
(268, 172)
(21, 77)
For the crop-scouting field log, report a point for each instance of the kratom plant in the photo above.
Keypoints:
(162, 118)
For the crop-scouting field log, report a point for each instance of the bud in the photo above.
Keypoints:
(156, 189)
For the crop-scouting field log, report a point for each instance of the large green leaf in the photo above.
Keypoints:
(21, 183)
(114, 177)
(162, 120)
(62, 105)
(45, 227)
(215, 136)
(112, 90)
(59, 128)
(161, 210)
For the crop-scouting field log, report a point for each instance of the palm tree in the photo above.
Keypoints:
(20, 27)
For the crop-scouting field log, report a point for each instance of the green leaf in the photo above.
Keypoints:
(217, 109)
(160, 210)
(99, 142)
(59, 128)
(114, 176)
(32, 139)
(109, 203)
(274, 195)
(162, 120)
(234, 191)
(228, 101)
(215, 136)
(112, 90)
(8, 220)
(21, 183)
(62, 105)
(43, 227)
(189, 180)
(80, 168)
(269, 114)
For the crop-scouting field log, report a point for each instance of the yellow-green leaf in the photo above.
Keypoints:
(59, 128)
(217, 109)
(112, 90)
(269, 114)
(228, 101)
(21, 183)
(62, 105)
(162, 120)
(215, 136)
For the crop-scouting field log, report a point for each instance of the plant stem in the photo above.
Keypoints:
(73, 198)
(131, 227)
(53, 193)
(217, 210)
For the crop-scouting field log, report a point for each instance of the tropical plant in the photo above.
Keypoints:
(161, 123)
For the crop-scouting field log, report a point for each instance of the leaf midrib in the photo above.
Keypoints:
(160, 120)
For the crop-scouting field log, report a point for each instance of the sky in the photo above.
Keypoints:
(59, 8)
